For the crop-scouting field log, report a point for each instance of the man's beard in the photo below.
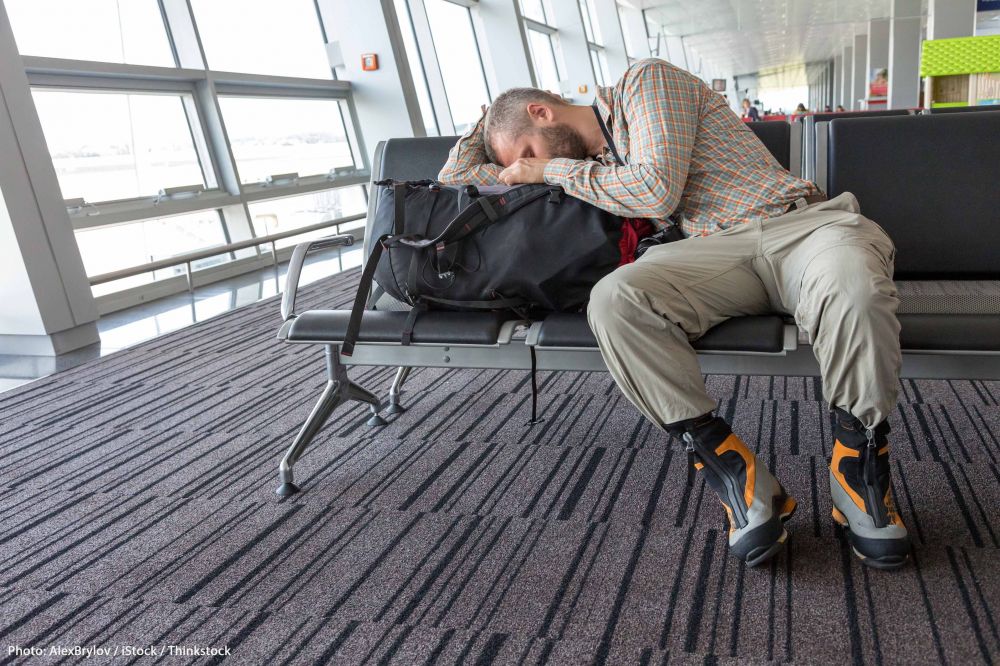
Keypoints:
(564, 141)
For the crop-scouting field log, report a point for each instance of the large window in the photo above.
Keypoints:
(417, 70)
(263, 37)
(124, 31)
(275, 136)
(458, 57)
(250, 137)
(276, 216)
(543, 57)
(108, 146)
(542, 44)
(598, 61)
(114, 247)
(630, 45)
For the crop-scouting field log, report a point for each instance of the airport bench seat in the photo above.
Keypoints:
(762, 334)
(942, 334)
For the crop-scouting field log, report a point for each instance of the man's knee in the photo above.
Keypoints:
(849, 282)
(629, 294)
(608, 298)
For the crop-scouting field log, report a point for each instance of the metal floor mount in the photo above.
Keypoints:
(338, 390)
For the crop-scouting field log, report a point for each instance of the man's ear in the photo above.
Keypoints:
(539, 113)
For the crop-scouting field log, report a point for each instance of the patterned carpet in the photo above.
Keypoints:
(137, 508)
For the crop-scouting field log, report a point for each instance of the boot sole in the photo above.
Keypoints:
(764, 553)
(884, 563)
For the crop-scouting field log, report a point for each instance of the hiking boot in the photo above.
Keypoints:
(861, 488)
(755, 502)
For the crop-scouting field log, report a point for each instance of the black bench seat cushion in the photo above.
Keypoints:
(950, 332)
(763, 334)
(457, 328)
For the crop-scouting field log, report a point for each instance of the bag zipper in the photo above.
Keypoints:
(736, 502)
(875, 505)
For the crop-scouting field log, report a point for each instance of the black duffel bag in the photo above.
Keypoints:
(526, 248)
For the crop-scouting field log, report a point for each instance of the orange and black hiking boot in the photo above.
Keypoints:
(862, 493)
(756, 504)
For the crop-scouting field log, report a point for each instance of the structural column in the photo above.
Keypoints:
(46, 305)
(613, 39)
(904, 55)
(576, 55)
(838, 79)
(878, 54)
(847, 80)
(860, 76)
(506, 65)
(635, 26)
(951, 18)
(378, 95)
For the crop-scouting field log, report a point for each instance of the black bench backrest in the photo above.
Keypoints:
(419, 158)
(414, 159)
(820, 117)
(931, 182)
(966, 109)
(776, 137)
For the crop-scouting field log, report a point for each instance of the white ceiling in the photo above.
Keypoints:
(745, 36)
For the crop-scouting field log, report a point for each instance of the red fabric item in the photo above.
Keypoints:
(633, 231)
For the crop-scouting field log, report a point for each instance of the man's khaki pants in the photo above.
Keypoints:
(824, 264)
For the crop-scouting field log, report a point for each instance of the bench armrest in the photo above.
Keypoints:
(295, 268)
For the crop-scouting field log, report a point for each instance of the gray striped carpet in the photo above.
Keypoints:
(137, 508)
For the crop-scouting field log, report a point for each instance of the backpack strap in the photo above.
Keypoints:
(398, 207)
(411, 319)
(364, 286)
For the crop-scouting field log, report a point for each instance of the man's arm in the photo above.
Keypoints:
(661, 108)
(467, 162)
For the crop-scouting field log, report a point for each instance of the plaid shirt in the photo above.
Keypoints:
(690, 158)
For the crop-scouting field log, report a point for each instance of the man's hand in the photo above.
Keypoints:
(524, 170)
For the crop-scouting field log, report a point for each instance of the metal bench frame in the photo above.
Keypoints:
(517, 348)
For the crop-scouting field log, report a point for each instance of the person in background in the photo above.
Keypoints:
(827, 109)
(840, 108)
(749, 111)
(801, 108)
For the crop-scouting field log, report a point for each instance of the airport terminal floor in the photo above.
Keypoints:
(384, 332)
(138, 507)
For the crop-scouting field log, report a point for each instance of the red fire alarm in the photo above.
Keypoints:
(369, 62)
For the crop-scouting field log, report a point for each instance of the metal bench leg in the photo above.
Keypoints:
(396, 390)
(338, 390)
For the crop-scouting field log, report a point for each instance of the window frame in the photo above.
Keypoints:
(595, 50)
(422, 32)
(550, 31)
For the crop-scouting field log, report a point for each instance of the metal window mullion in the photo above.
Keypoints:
(57, 66)
(66, 81)
(435, 80)
(226, 81)
(479, 53)
(526, 45)
(253, 192)
(182, 32)
(409, 81)
(537, 26)
(279, 91)
(145, 208)
(354, 137)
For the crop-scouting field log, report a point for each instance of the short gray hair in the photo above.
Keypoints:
(508, 115)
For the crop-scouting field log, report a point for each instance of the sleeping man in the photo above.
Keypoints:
(661, 145)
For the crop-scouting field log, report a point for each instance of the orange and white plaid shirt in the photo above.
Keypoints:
(689, 157)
